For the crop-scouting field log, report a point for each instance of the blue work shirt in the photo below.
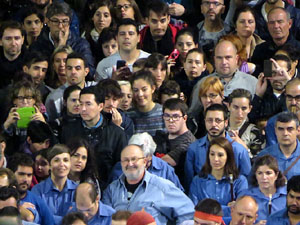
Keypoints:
(196, 157)
(283, 162)
(278, 201)
(58, 202)
(279, 218)
(43, 216)
(103, 215)
(271, 138)
(210, 187)
(158, 167)
(158, 196)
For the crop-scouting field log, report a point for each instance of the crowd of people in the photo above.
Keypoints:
(149, 112)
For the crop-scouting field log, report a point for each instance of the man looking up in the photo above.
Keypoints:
(88, 202)
(287, 150)
(136, 188)
(159, 35)
(106, 138)
(127, 37)
(11, 52)
(58, 18)
(76, 72)
(22, 166)
(216, 122)
(291, 214)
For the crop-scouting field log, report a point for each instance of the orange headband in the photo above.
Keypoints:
(211, 217)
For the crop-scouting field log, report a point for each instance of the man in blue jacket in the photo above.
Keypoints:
(291, 214)
(215, 123)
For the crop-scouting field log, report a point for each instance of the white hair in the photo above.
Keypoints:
(145, 141)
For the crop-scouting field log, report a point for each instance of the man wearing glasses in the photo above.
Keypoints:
(172, 146)
(215, 123)
(137, 189)
(212, 27)
(58, 19)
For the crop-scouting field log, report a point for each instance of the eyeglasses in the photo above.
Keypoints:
(22, 98)
(125, 6)
(134, 160)
(214, 4)
(290, 98)
(174, 117)
(211, 120)
(210, 96)
(56, 22)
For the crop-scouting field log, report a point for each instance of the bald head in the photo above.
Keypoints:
(244, 211)
(226, 58)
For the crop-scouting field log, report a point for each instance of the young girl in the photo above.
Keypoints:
(219, 178)
(146, 115)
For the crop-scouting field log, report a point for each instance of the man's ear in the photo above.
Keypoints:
(147, 20)
(29, 140)
(3, 145)
(86, 70)
(25, 69)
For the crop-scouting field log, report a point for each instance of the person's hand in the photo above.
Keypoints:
(12, 118)
(63, 37)
(170, 63)
(261, 222)
(116, 117)
(261, 85)
(234, 134)
(122, 73)
(38, 115)
(281, 74)
(28, 205)
(231, 204)
(176, 9)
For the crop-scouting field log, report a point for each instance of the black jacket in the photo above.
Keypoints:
(108, 140)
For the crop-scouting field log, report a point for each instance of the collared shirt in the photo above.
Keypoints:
(278, 201)
(42, 214)
(158, 167)
(58, 202)
(279, 218)
(158, 196)
(210, 187)
(196, 157)
(283, 162)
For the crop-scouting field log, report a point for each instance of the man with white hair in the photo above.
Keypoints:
(154, 164)
(136, 189)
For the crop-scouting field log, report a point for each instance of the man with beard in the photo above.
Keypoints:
(137, 189)
(292, 101)
(287, 151)
(291, 214)
(213, 27)
(215, 123)
(11, 52)
(159, 35)
(269, 97)
(22, 166)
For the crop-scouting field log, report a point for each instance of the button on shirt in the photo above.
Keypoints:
(58, 202)
(283, 162)
(196, 157)
(220, 190)
(158, 196)
(278, 201)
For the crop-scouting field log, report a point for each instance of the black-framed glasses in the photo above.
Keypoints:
(174, 117)
(56, 22)
(134, 160)
(290, 98)
(214, 4)
(125, 7)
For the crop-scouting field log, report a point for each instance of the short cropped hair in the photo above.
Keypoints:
(39, 131)
(293, 184)
(12, 25)
(9, 192)
(127, 22)
(32, 57)
(240, 93)
(19, 159)
(76, 55)
(209, 206)
(99, 94)
(71, 217)
(176, 104)
(58, 8)
(286, 117)
(121, 215)
(218, 107)
(157, 6)
(110, 88)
